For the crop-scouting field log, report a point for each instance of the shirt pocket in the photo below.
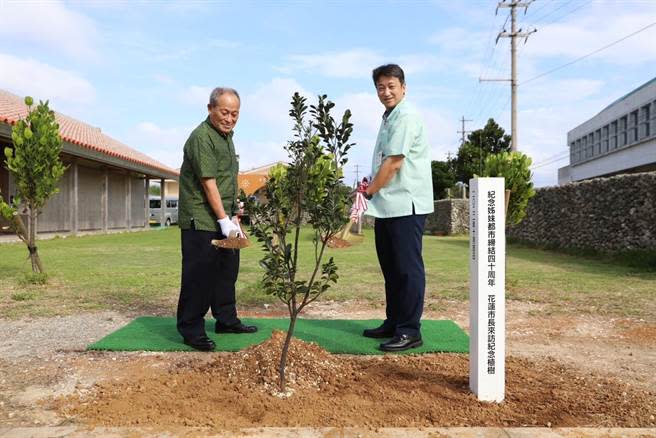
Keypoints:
(225, 159)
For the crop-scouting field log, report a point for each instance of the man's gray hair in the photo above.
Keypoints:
(218, 91)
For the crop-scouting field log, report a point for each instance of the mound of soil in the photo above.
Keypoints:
(256, 368)
(234, 390)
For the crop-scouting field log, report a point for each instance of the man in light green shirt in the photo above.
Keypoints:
(400, 197)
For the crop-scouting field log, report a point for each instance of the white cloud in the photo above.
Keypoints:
(195, 95)
(51, 24)
(163, 144)
(366, 109)
(589, 32)
(34, 78)
(439, 128)
(459, 40)
(424, 62)
(560, 92)
(254, 153)
(354, 63)
(269, 105)
(358, 63)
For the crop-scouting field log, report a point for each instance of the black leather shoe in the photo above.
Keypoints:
(237, 328)
(401, 342)
(378, 332)
(202, 343)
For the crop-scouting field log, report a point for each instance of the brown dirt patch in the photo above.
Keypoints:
(336, 242)
(233, 390)
(640, 333)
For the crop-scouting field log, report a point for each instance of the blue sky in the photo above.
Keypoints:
(142, 71)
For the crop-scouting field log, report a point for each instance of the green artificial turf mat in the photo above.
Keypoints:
(149, 333)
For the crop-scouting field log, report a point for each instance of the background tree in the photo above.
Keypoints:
(35, 165)
(491, 139)
(154, 190)
(309, 188)
(444, 177)
(515, 168)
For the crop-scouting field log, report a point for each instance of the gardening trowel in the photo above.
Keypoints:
(236, 239)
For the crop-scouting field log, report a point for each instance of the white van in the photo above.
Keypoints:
(170, 213)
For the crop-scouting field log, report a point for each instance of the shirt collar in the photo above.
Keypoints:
(388, 112)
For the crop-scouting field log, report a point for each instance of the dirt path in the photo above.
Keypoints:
(562, 356)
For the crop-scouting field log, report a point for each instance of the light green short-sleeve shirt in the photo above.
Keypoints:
(402, 132)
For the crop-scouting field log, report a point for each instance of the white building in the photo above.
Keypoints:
(620, 139)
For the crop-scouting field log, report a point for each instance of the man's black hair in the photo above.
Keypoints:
(392, 70)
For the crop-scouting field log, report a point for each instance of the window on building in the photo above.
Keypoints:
(613, 135)
(644, 122)
(579, 157)
(604, 139)
(597, 143)
(633, 130)
(572, 152)
(622, 134)
(584, 147)
(652, 125)
(591, 144)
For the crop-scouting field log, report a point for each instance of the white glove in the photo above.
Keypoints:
(229, 228)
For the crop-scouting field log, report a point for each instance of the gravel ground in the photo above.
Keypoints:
(44, 336)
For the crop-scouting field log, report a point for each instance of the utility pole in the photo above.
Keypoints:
(513, 35)
(463, 131)
(357, 173)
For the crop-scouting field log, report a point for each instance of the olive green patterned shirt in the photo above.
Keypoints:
(208, 153)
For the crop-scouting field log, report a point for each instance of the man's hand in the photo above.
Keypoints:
(228, 226)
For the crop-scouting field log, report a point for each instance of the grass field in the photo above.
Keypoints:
(140, 272)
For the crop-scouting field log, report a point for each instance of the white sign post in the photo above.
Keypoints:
(487, 292)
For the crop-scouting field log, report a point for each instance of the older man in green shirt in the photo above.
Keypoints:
(208, 199)
(401, 196)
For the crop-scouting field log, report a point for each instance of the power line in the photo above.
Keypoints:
(488, 57)
(551, 12)
(542, 6)
(556, 19)
(567, 13)
(589, 54)
(553, 159)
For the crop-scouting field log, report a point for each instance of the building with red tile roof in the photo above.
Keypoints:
(252, 180)
(105, 185)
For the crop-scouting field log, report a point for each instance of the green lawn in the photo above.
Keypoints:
(140, 272)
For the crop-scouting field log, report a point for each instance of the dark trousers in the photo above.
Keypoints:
(208, 280)
(398, 245)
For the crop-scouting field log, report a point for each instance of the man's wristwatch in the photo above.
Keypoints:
(367, 196)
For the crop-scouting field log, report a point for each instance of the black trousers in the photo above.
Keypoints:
(398, 245)
(208, 281)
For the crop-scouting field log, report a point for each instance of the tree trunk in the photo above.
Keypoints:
(31, 243)
(507, 202)
(285, 349)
